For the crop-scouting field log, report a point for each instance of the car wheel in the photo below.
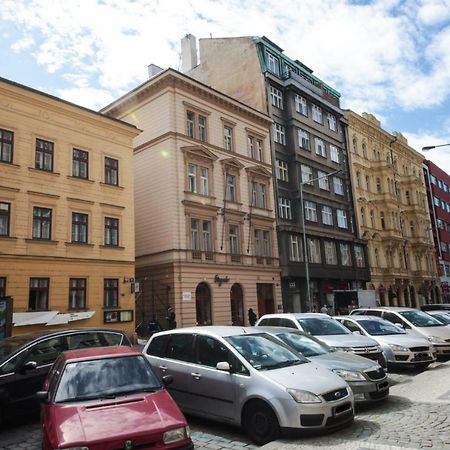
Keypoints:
(260, 423)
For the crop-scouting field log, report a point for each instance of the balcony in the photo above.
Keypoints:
(198, 255)
(264, 260)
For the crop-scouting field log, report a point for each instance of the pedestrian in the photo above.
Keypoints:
(324, 309)
(251, 317)
(171, 318)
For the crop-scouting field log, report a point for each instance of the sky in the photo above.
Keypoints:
(390, 58)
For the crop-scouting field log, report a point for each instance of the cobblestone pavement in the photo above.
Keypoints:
(416, 416)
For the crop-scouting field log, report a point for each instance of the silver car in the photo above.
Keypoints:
(327, 330)
(367, 378)
(399, 347)
(249, 378)
(442, 315)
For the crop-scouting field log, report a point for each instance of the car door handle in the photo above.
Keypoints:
(197, 376)
(163, 368)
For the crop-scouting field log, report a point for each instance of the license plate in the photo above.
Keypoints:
(421, 356)
(382, 386)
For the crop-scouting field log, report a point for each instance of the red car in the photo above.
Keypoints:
(108, 398)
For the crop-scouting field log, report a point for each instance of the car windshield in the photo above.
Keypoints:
(443, 318)
(106, 378)
(421, 319)
(306, 345)
(265, 352)
(380, 327)
(322, 326)
(9, 345)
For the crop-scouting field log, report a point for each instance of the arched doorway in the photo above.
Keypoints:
(203, 304)
(237, 305)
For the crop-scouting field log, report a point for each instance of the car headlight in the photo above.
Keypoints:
(177, 434)
(303, 396)
(398, 348)
(437, 340)
(349, 375)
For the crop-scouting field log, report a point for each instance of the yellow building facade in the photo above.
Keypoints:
(66, 213)
(392, 213)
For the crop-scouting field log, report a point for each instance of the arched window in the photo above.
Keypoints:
(237, 305)
(203, 304)
(364, 150)
(372, 221)
(358, 179)
(355, 146)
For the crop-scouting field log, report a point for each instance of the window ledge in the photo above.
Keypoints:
(75, 310)
(86, 180)
(114, 247)
(42, 241)
(116, 186)
(9, 164)
(48, 172)
(197, 194)
(8, 238)
(111, 308)
(80, 244)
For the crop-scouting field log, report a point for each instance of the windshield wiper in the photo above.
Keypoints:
(290, 362)
(88, 397)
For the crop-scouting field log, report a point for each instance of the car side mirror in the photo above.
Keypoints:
(42, 396)
(29, 365)
(399, 324)
(357, 332)
(167, 379)
(223, 366)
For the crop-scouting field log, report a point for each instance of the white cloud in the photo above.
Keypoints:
(89, 97)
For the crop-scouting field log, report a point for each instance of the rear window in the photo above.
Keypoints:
(318, 326)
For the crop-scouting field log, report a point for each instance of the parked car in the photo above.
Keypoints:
(399, 347)
(435, 307)
(442, 315)
(327, 330)
(367, 378)
(245, 377)
(415, 323)
(109, 398)
(26, 359)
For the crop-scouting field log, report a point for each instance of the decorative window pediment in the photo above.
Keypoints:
(199, 151)
(258, 171)
(232, 163)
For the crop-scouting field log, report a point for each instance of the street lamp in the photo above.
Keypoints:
(430, 147)
(305, 249)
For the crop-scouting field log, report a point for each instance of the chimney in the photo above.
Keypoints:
(153, 70)
(188, 53)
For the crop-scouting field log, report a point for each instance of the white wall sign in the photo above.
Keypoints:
(186, 296)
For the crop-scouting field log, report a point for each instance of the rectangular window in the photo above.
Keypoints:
(359, 256)
(323, 181)
(330, 252)
(44, 155)
(5, 212)
(282, 170)
(231, 188)
(303, 139)
(310, 211)
(262, 196)
(334, 154)
(228, 138)
(254, 187)
(257, 243)
(314, 255)
(111, 231)
(338, 186)
(111, 293)
(266, 243)
(38, 296)
(259, 150)
(195, 238)
(192, 178)
(233, 231)
(327, 215)
(251, 146)
(272, 63)
(80, 167)
(111, 171)
(276, 97)
(190, 124)
(300, 105)
(204, 181)
(436, 201)
(77, 293)
(42, 223)
(306, 173)
(433, 179)
(331, 122)
(207, 241)
(6, 146)
(341, 218)
(279, 134)
(2, 287)
(284, 207)
(317, 114)
(346, 259)
(202, 128)
(295, 248)
(320, 147)
(79, 228)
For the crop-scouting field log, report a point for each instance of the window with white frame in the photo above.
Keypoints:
(317, 113)
(322, 178)
(281, 170)
(314, 255)
(195, 238)
(262, 243)
(233, 234)
(320, 147)
(303, 139)
(300, 105)
(341, 218)
(259, 150)
(310, 211)
(204, 181)
(251, 146)
(231, 188)
(334, 154)
(192, 177)
(433, 179)
(436, 201)
(272, 63)
(327, 215)
(307, 175)
(277, 97)
(284, 207)
(331, 122)
(258, 194)
(279, 134)
(198, 179)
(338, 186)
(228, 138)
(330, 252)
(295, 248)
(359, 256)
(255, 148)
(346, 259)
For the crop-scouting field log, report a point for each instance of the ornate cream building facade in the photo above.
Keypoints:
(392, 213)
(66, 213)
(205, 219)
